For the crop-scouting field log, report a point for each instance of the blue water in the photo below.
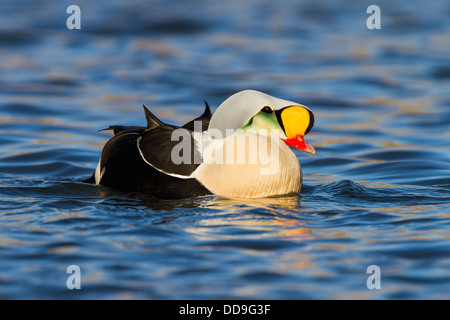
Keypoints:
(377, 193)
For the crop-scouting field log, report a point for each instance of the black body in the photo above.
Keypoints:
(137, 159)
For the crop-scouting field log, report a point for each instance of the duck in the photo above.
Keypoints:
(243, 150)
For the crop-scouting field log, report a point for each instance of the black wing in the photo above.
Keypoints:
(172, 149)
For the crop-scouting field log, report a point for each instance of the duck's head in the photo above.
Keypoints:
(250, 109)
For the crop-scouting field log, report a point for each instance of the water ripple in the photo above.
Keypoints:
(376, 193)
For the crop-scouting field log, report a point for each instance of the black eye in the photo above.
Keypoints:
(267, 109)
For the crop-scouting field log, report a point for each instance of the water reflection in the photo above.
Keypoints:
(289, 202)
(376, 193)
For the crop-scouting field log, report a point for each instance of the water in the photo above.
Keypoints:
(377, 193)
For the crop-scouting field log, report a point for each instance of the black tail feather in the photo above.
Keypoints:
(204, 118)
(152, 120)
(207, 114)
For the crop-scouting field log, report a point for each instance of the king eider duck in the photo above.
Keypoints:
(242, 150)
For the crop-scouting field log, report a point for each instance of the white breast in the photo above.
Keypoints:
(249, 165)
